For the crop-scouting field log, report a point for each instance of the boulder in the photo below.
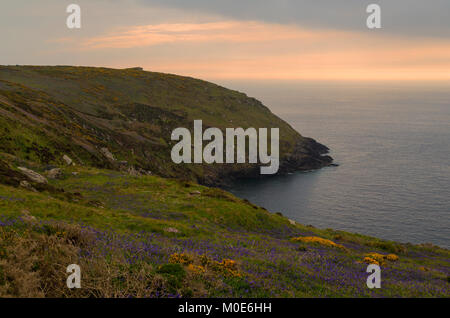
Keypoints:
(105, 151)
(27, 217)
(171, 230)
(54, 173)
(26, 185)
(33, 176)
(133, 172)
(68, 160)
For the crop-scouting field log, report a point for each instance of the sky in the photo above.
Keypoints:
(235, 40)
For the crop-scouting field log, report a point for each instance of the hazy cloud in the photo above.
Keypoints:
(412, 17)
(212, 32)
(252, 39)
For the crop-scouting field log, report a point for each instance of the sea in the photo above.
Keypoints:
(392, 143)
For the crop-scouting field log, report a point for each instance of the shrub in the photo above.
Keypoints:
(392, 257)
(317, 240)
(172, 269)
(196, 269)
(379, 259)
(369, 260)
(180, 259)
(174, 274)
(388, 246)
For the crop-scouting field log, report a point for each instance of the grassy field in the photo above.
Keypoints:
(153, 237)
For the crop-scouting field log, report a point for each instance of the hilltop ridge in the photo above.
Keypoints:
(123, 119)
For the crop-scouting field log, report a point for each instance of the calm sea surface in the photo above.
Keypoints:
(392, 142)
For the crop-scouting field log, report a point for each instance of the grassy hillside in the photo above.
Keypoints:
(153, 237)
(46, 112)
(137, 233)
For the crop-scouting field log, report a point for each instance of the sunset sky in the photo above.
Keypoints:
(246, 39)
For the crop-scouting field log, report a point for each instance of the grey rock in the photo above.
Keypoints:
(54, 173)
(68, 160)
(34, 176)
(171, 230)
(133, 172)
(105, 151)
(26, 185)
(27, 217)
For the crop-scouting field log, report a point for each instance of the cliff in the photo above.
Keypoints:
(123, 119)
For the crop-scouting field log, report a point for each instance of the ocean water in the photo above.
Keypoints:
(392, 144)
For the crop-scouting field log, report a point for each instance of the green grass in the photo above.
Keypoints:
(213, 224)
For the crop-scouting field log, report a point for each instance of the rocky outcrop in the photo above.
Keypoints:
(68, 160)
(32, 175)
(26, 185)
(54, 173)
(307, 155)
(108, 155)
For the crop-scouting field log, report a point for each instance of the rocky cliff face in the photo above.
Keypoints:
(123, 119)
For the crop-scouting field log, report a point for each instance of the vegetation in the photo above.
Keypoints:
(136, 234)
(153, 237)
(46, 112)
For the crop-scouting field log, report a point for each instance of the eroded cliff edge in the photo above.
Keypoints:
(123, 119)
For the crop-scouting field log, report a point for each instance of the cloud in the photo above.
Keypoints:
(408, 17)
(256, 50)
(247, 39)
(213, 32)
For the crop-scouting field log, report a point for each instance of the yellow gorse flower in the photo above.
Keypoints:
(197, 269)
(380, 259)
(228, 263)
(227, 267)
(369, 260)
(392, 257)
(318, 240)
(180, 259)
